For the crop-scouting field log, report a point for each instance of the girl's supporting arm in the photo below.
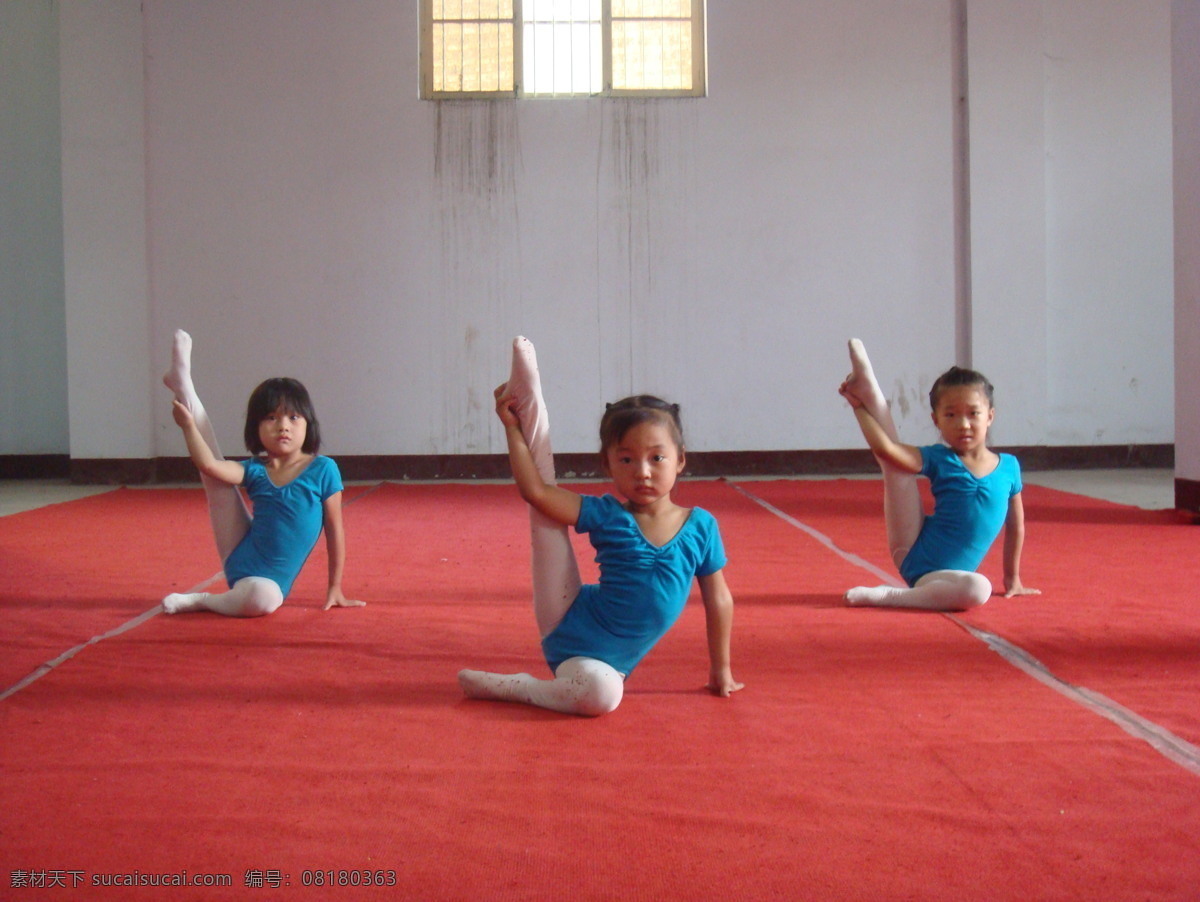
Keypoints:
(1014, 541)
(228, 471)
(335, 544)
(718, 614)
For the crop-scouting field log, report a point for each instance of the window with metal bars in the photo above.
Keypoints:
(562, 48)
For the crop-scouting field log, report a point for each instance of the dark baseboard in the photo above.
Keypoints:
(710, 464)
(35, 466)
(117, 471)
(1093, 457)
(587, 466)
(1187, 495)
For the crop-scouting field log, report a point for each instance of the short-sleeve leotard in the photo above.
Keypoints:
(968, 513)
(287, 522)
(642, 590)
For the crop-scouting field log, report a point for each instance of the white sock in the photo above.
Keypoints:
(525, 385)
(864, 386)
(180, 603)
(178, 378)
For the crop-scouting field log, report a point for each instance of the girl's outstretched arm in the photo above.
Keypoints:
(1014, 541)
(335, 544)
(899, 455)
(718, 615)
(227, 471)
(559, 504)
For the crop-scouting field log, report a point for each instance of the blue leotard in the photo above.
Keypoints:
(643, 588)
(287, 522)
(968, 513)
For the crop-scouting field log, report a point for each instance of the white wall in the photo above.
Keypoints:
(1109, 231)
(1071, 229)
(305, 213)
(390, 247)
(1186, 39)
(1007, 85)
(104, 229)
(33, 346)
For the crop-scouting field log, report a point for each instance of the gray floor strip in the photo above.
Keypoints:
(1160, 739)
(1166, 743)
(67, 655)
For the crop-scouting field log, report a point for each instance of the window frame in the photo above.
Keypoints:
(699, 62)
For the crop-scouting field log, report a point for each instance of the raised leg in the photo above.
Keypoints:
(902, 510)
(226, 508)
(252, 596)
(556, 578)
(582, 686)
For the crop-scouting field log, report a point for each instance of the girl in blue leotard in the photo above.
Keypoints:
(649, 550)
(976, 493)
(295, 493)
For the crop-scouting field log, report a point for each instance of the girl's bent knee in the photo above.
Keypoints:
(600, 697)
(978, 591)
(598, 688)
(262, 596)
(952, 590)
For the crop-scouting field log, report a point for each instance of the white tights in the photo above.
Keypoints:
(227, 511)
(251, 596)
(556, 579)
(580, 685)
(941, 590)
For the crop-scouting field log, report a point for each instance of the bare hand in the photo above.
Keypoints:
(335, 599)
(183, 416)
(845, 392)
(504, 402)
(723, 684)
(1018, 589)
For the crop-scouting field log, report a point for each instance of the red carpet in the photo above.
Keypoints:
(873, 754)
(1118, 612)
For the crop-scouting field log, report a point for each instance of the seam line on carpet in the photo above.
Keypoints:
(1163, 741)
(42, 669)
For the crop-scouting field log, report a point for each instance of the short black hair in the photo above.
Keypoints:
(293, 397)
(958, 376)
(621, 416)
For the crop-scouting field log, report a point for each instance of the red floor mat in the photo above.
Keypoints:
(1118, 613)
(69, 572)
(873, 754)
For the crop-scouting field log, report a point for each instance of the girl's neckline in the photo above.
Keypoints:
(283, 485)
(995, 465)
(675, 535)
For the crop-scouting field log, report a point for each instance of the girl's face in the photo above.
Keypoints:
(644, 464)
(963, 415)
(282, 432)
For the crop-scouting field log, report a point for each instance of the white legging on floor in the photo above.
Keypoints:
(904, 516)
(581, 685)
(227, 511)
